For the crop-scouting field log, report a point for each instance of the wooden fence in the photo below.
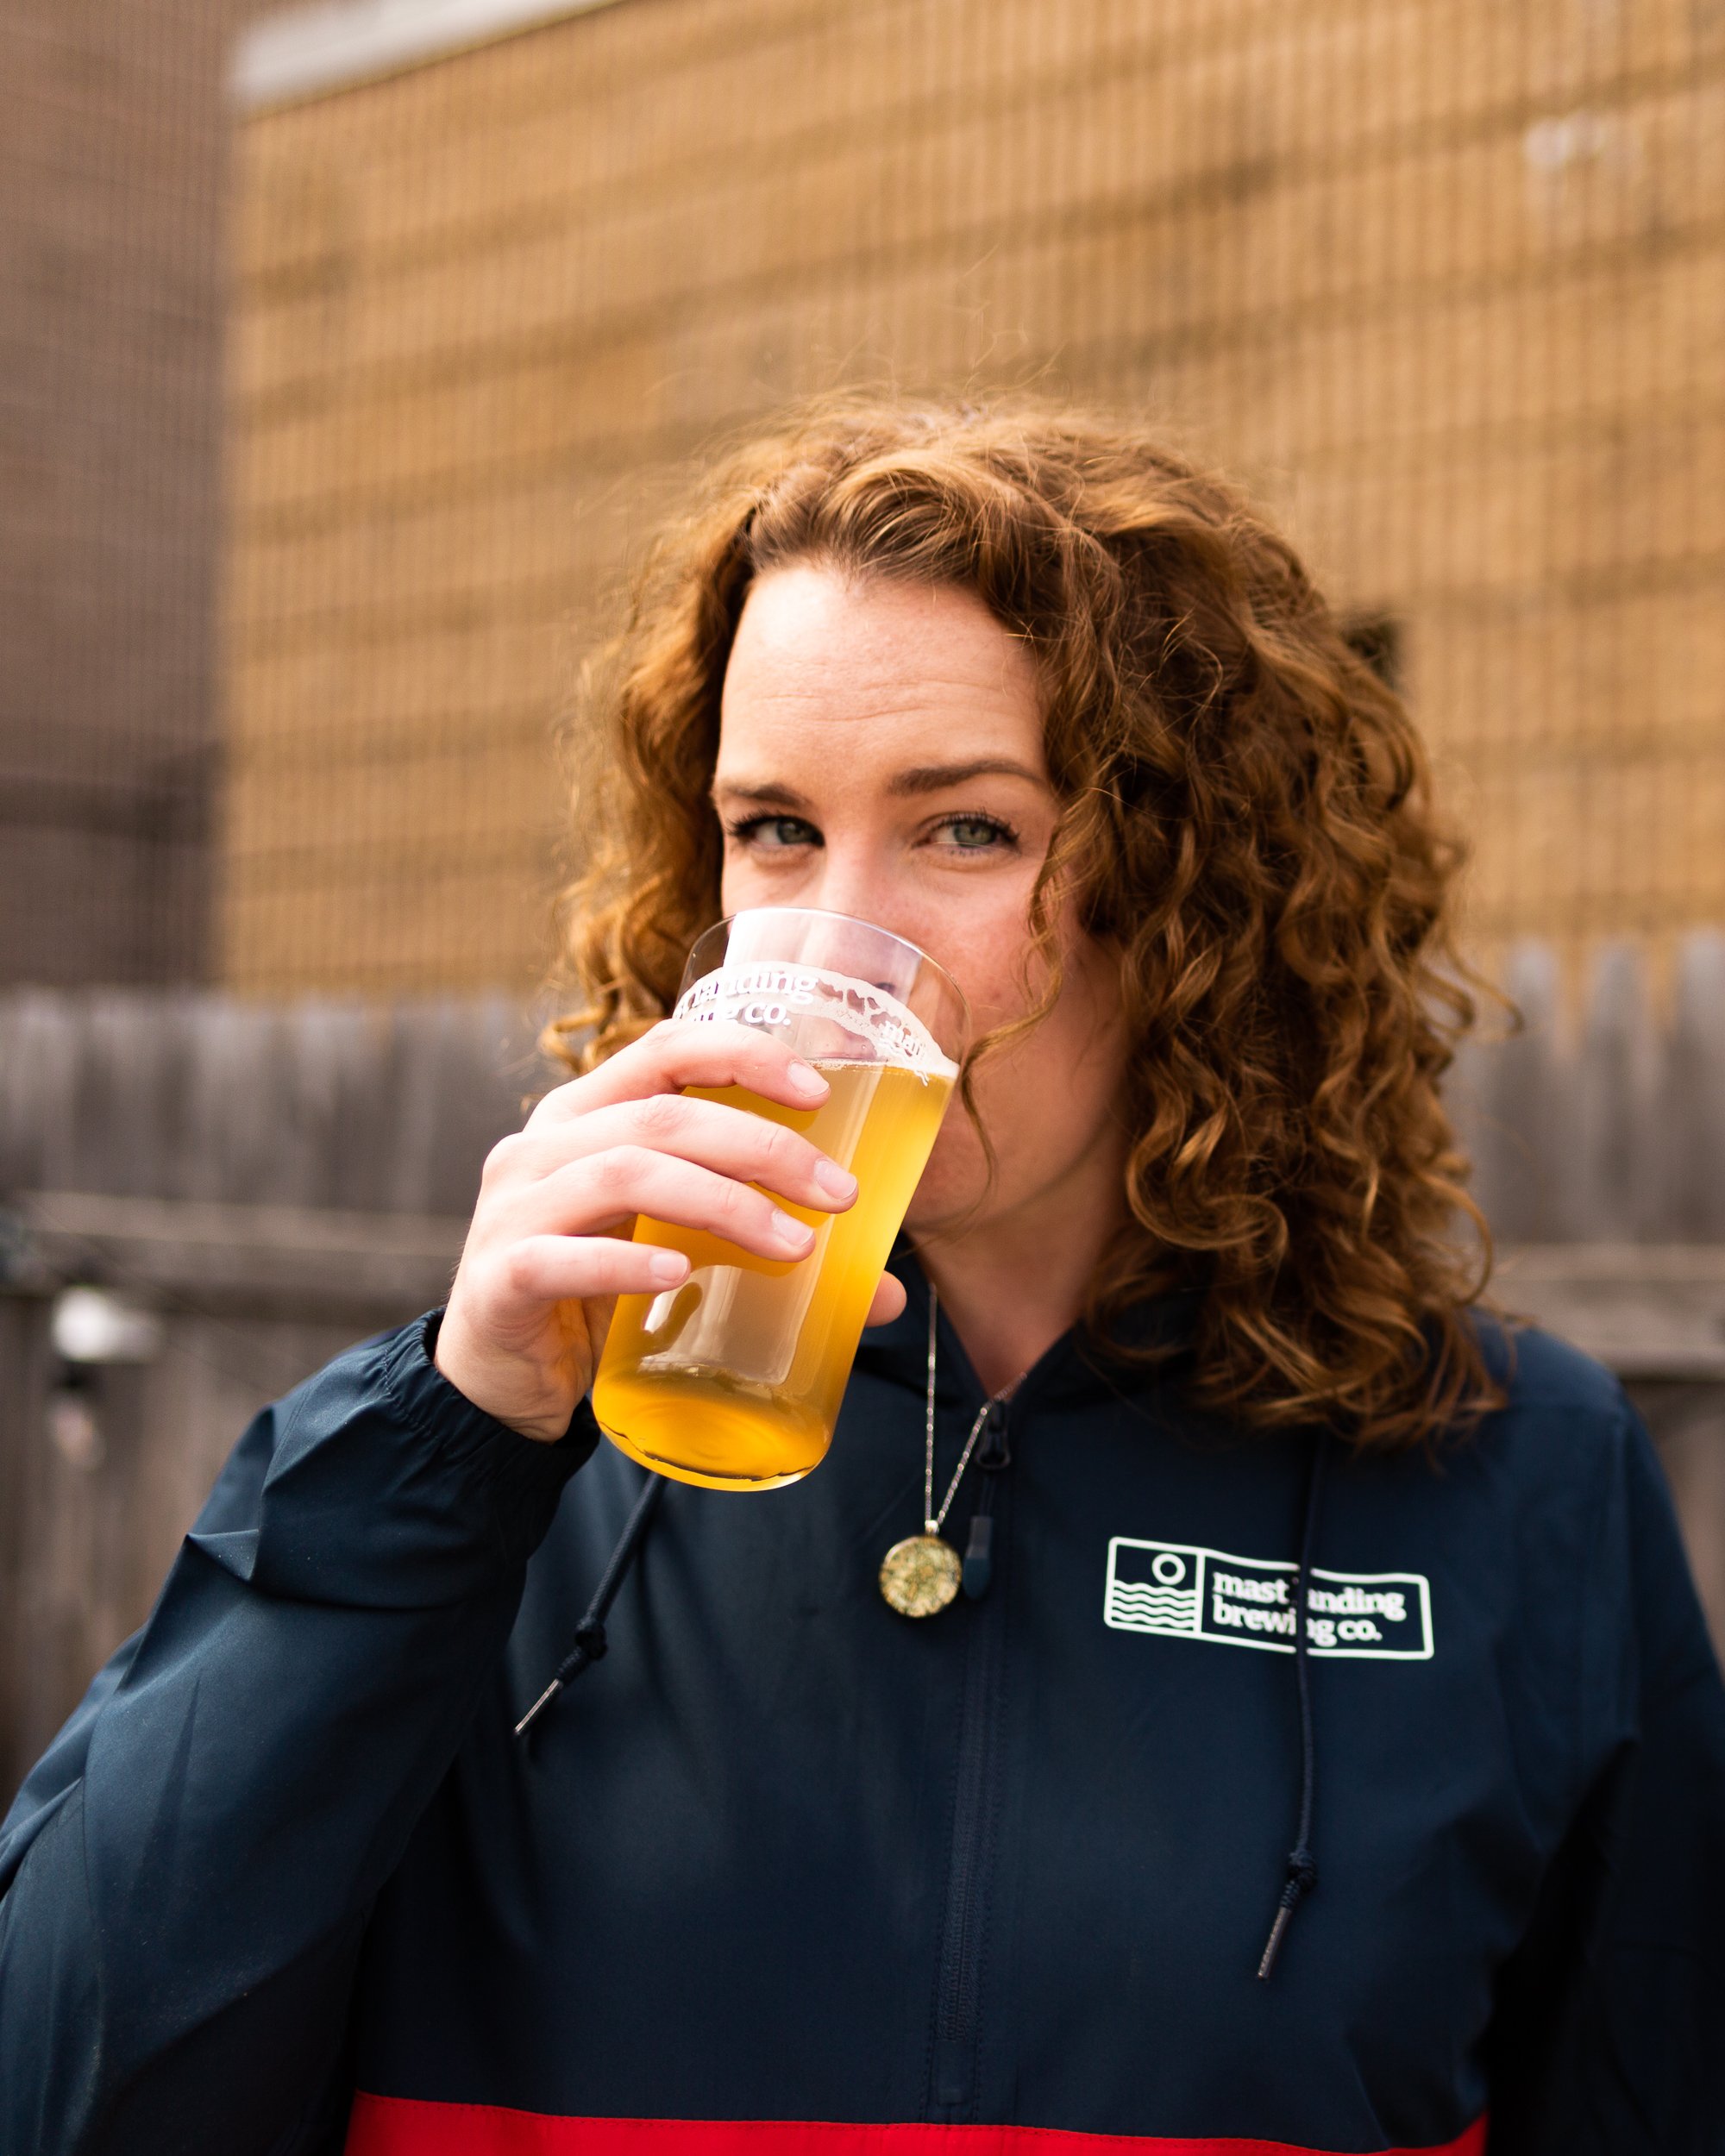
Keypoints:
(1605, 1123)
(270, 1184)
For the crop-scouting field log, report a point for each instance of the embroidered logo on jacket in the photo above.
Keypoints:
(1180, 1591)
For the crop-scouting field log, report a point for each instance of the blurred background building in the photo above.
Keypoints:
(350, 353)
(114, 147)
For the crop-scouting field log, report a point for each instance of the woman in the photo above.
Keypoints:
(790, 1871)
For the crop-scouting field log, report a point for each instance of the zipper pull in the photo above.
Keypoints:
(979, 1564)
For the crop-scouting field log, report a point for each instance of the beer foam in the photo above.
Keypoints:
(806, 1000)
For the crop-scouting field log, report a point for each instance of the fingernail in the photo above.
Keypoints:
(792, 1232)
(806, 1080)
(669, 1266)
(834, 1181)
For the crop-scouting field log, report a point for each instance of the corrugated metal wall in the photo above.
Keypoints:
(1444, 279)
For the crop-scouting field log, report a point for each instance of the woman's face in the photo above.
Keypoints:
(880, 754)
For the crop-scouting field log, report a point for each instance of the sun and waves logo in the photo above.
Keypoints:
(1180, 1590)
(1167, 1601)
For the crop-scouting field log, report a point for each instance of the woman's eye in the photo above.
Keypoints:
(773, 832)
(975, 834)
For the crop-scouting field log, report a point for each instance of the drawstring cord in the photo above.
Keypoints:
(1302, 1866)
(589, 1644)
(996, 1454)
(590, 1641)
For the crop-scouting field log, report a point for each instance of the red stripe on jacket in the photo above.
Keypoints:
(404, 2126)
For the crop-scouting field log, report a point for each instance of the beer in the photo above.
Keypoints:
(734, 1379)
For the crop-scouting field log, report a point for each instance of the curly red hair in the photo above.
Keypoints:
(1245, 819)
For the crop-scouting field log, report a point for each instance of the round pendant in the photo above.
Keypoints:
(921, 1574)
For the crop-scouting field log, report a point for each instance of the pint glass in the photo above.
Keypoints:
(734, 1379)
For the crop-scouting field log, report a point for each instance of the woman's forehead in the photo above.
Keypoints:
(897, 669)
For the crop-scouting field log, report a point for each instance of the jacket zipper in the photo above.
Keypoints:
(952, 2077)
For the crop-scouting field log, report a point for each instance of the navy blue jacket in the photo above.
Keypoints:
(966, 1883)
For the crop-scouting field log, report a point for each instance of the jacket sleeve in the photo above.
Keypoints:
(185, 1878)
(1607, 2038)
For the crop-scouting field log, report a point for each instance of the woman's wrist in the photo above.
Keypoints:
(512, 1389)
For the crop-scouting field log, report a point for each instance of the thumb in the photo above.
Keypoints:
(889, 1300)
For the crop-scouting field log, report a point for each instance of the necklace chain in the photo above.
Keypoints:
(933, 1520)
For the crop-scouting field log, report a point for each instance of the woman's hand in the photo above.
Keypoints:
(546, 1257)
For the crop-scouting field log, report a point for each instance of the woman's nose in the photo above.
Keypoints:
(849, 880)
(865, 890)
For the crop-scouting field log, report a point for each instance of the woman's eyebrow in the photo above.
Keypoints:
(767, 790)
(930, 778)
(923, 778)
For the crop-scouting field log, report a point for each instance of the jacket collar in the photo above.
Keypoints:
(1074, 1371)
